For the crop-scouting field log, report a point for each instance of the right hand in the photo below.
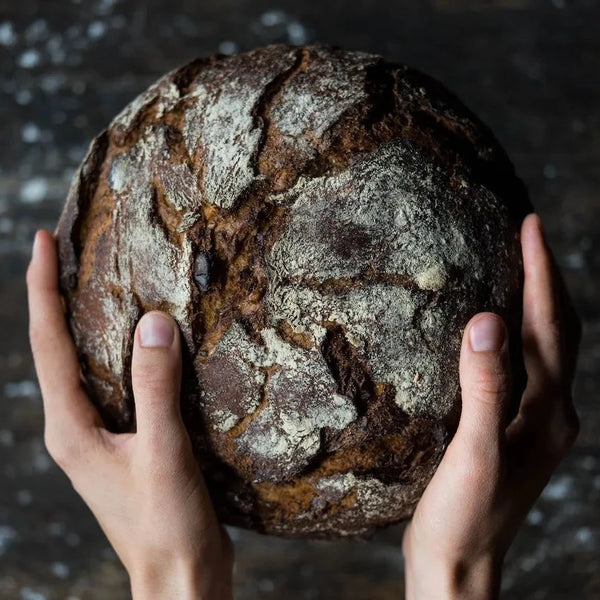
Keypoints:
(493, 471)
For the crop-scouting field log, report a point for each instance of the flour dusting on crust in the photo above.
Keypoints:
(321, 224)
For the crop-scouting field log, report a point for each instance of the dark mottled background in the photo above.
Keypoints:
(529, 68)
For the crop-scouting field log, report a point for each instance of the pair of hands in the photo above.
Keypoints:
(148, 494)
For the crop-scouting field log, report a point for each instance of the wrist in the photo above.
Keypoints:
(428, 578)
(184, 581)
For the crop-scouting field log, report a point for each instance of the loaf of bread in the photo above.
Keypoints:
(321, 224)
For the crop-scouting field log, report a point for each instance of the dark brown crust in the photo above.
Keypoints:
(383, 442)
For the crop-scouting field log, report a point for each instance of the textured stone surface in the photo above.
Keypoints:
(528, 68)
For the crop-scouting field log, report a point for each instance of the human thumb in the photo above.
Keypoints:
(485, 383)
(156, 375)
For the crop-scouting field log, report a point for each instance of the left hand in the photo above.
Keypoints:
(145, 489)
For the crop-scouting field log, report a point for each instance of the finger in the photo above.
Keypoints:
(156, 377)
(534, 449)
(572, 329)
(547, 423)
(485, 383)
(66, 406)
(474, 459)
(541, 330)
(570, 323)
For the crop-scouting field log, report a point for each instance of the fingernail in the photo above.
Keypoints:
(156, 331)
(487, 335)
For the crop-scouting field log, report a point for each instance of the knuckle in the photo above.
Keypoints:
(563, 430)
(156, 373)
(154, 384)
(490, 385)
(30, 274)
(152, 378)
(568, 430)
(65, 448)
(60, 449)
(36, 337)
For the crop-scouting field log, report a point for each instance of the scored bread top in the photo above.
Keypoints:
(321, 224)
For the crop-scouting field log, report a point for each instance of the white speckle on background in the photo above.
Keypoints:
(80, 121)
(24, 497)
(588, 463)
(67, 174)
(29, 59)
(55, 528)
(96, 30)
(574, 260)
(6, 225)
(7, 534)
(118, 21)
(529, 563)
(28, 594)
(272, 18)
(37, 31)
(550, 171)
(79, 86)
(21, 389)
(15, 360)
(296, 33)
(72, 539)
(105, 6)
(535, 517)
(7, 34)
(265, 585)
(279, 22)
(23, 97)
(51, 82)
(56, 50)
(32, 192)
(7, 438)
(74, 32)
(584, 536)
(558, 489)
(60, 569)
(76, 153)
(41, 462)
(228, 47)
(30, 133)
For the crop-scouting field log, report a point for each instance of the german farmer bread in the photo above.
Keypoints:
(321, 224)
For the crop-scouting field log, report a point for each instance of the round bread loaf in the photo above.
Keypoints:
(321, 224)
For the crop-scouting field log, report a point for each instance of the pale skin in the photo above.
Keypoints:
(147, 491)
